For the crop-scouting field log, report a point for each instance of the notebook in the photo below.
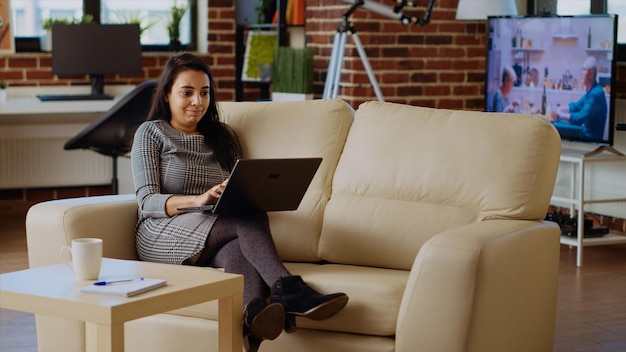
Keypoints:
(264, 185)
(123, 287)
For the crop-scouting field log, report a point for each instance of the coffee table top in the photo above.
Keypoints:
(53, 290)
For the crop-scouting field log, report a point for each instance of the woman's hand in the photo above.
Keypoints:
(214, 193)
(209, 197)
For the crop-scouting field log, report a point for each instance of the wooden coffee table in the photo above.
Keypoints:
(53, 291)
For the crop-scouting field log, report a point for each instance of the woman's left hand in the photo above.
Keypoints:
(217, 190)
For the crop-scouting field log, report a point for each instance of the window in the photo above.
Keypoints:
(152, 15)
(619, 7)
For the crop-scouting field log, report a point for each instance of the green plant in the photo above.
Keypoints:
(292, 70)
(3, 85)
(261, 10)
(49, 22)
(176, 14)
(143, 22)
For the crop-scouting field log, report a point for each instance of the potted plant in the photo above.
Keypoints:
(176, 15)
(265, 10)
(46, 40)
(292, 74)
(143, 22)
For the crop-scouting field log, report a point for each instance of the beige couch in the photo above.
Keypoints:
(429, 219)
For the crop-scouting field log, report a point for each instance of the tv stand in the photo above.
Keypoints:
(602, 149)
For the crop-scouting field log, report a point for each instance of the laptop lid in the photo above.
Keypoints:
(265, 185)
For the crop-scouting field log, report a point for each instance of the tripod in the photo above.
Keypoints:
(333, 76)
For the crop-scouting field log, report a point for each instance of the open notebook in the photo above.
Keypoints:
(123, 287)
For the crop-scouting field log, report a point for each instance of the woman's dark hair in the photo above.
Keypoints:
(217, 135)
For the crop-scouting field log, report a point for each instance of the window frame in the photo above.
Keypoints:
(92, 7)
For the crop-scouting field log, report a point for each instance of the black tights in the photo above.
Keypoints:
(244, 245)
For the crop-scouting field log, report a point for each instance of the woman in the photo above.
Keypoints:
(181, 157)
(501, 98)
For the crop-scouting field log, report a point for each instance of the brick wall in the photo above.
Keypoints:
(438, 65)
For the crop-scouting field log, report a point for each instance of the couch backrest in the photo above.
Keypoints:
(313, 128)
(408, 173)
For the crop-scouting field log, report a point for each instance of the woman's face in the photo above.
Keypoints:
(507, 85)
(188, 100)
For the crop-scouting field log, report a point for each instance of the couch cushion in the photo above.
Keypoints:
(375, 297)
(408, 173)
(313, 128)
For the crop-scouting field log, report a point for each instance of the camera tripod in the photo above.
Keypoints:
(335, 65)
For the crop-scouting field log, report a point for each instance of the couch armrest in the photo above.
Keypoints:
(53, 224)
(487, 286)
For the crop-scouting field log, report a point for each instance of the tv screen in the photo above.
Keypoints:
(560, 67)
(95, 50)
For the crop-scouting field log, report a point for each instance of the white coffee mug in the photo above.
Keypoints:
(86, 257)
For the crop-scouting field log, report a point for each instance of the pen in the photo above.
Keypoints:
(104, 283)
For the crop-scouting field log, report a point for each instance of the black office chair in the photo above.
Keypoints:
(112, 132)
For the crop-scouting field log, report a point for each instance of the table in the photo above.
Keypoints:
(580, 195)
(52, 290)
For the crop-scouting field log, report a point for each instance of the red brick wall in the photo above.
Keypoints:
(438, 65)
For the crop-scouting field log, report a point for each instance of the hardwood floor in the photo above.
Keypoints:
(17, 329)
(591, 307)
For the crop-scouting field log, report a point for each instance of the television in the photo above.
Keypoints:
(562, 68)
(96, 50)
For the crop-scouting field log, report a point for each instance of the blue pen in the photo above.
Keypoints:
(104, 283)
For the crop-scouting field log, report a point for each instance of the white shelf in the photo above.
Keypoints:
(578, 198)
(605, 240)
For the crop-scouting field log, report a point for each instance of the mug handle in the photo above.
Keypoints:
(62, 254)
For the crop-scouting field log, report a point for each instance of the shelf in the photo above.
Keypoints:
(599, 50)
(608, 239)
(578, 199)
(528, 50)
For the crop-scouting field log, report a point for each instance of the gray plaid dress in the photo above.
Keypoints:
(166, 162)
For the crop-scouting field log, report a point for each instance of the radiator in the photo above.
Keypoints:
(33, 157)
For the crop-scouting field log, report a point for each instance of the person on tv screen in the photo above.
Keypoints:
(501, 98)
(590, 111)
(533, 78)
(182, 156)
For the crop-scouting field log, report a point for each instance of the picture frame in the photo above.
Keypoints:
(259, 56)
(7, 36)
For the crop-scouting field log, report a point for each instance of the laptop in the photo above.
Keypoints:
(264, 185)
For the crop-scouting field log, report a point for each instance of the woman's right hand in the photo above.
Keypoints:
(209, 197)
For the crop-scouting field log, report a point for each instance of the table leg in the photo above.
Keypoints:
(104, 338)
(230, 324)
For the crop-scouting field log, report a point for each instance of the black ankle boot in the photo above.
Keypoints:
(263, 321)
(301, 300)
(251, 343)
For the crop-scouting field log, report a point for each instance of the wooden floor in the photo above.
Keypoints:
(591, 306)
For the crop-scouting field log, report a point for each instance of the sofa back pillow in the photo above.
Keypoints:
(312, 128)
(408, 173)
